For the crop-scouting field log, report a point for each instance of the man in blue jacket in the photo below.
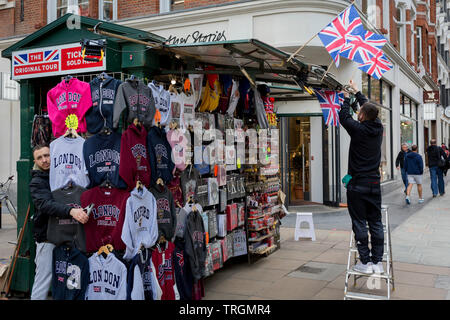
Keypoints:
(414, 169)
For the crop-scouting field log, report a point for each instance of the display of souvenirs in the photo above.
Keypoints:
(170, 233)
(221, 225)
(232, 217)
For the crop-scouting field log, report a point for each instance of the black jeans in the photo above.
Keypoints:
(364, 206)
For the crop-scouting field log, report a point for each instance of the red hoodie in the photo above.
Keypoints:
(106, 219)
(71, 97)
(133, 149)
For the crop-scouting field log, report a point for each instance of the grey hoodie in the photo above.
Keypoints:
(195, 244)
(140, 226)
(138, 98)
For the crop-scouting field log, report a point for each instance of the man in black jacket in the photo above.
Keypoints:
(400, 164)
(45, 206)
(363, 190)
(434, 154)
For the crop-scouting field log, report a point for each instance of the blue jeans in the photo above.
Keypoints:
(437, 180)
(404, 177)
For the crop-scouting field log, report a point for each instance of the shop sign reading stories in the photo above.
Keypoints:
(52, 61)
(197, 37)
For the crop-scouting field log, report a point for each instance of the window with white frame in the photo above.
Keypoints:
(58, 8)
(419, 45)
(401, 29)
(107, 10)
(10, 88)
(429, 59)
(386, 15)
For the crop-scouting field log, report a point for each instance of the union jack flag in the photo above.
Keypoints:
(376, 64)
(360, 46)
(21, 59)
(50, 55)
(330, 103)
(336, 34)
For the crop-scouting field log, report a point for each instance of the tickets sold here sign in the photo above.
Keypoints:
(52, 61)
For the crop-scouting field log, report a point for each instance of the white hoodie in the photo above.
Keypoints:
(140, 225)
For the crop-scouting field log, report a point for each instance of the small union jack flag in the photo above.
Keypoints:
(330, 103)
(360, 46)
(336, 34)
(50, 55)
(21, 59)
(376, 64)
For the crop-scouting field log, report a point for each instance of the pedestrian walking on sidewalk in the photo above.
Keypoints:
(436, 164)
(363, 189)
(399, 163)
(45, 206)
(447, 153)
(414, 169)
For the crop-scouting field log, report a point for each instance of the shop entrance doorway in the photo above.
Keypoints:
(299, 159)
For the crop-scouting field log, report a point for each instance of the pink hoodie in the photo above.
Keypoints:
(72, 97)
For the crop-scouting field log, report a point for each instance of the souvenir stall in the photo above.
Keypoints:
(155, 143)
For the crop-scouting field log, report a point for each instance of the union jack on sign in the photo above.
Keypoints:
(20, 59)
(360, 46)
(337, 34)
(330, 103)
(51, 55)
(376, 64)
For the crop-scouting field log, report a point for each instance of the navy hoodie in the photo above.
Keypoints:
(70, 273)
(160, 155)
(365, 146)
(413, 163)
(145, 269)
(183, 274)
(103, 93)
(101, 154)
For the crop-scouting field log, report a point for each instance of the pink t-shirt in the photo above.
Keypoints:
(71, 97)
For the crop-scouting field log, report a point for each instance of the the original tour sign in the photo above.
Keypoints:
(51, 61)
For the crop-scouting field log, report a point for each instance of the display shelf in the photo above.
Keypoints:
(261, 238)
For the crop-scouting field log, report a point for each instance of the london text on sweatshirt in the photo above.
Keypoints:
(67, 163)
(101, 154)
(138, 98)
(134, 157)
(70, 273)
(107, 278)
(163, 262)
(68, 97)
(160, 155)
(162, 102)
(166, 214)
(106, 219)
(103, 94)
(67, 230)
(140, 226)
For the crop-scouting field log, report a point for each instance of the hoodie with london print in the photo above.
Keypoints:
(68, 97)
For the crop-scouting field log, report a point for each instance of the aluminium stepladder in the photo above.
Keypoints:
(388, 274)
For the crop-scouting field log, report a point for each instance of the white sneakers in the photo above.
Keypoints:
(369, 267)
(378, 268)
(363, 268)
(421, 200)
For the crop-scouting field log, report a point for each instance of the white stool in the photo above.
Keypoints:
(301, 232)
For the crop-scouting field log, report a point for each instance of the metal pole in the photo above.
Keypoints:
(338, 166)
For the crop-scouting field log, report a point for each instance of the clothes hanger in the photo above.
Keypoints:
(69, 185)
(107, 183)
(139, 185)
(67, 78)
(137, 123)
(71, 133)
(142, 249)
(105, 250)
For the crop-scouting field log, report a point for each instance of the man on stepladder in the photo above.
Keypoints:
(363, 187)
